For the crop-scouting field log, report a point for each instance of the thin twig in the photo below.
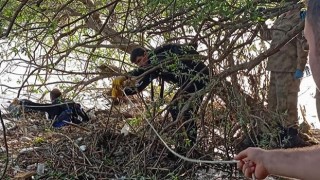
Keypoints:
(6, 145)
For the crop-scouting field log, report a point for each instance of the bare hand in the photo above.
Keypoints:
(251, 161)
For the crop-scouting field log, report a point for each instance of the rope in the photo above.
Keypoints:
(181, 156)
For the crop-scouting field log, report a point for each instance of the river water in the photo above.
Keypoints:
(306, 98)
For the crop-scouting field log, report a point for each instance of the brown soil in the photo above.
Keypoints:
(97, 150)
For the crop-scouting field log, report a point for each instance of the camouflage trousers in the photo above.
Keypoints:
(283, 98)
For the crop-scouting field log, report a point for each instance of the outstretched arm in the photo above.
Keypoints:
(142, 83)
(301, 163)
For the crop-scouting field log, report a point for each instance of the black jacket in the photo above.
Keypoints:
(56, 108)
(189, 75)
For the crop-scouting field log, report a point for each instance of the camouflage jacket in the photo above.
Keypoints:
(294, 54)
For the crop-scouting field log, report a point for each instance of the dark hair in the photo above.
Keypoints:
(136, 53)
(54, 94)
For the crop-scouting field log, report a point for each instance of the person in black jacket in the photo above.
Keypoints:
(175, 64)
(59, 110)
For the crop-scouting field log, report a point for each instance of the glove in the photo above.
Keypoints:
(117, 85)
(298, 74)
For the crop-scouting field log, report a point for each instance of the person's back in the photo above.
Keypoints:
(189, 75)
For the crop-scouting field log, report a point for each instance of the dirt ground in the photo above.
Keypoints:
(98, 150)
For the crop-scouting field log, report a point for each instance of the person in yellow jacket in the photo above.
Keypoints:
(286, 69)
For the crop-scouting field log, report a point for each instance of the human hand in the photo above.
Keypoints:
(130, 82)
(251, 163)
(298, 74)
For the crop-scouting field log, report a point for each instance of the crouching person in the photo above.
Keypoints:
(168, 64)
(62, 112)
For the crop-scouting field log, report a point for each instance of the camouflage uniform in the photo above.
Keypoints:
(284, 88)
